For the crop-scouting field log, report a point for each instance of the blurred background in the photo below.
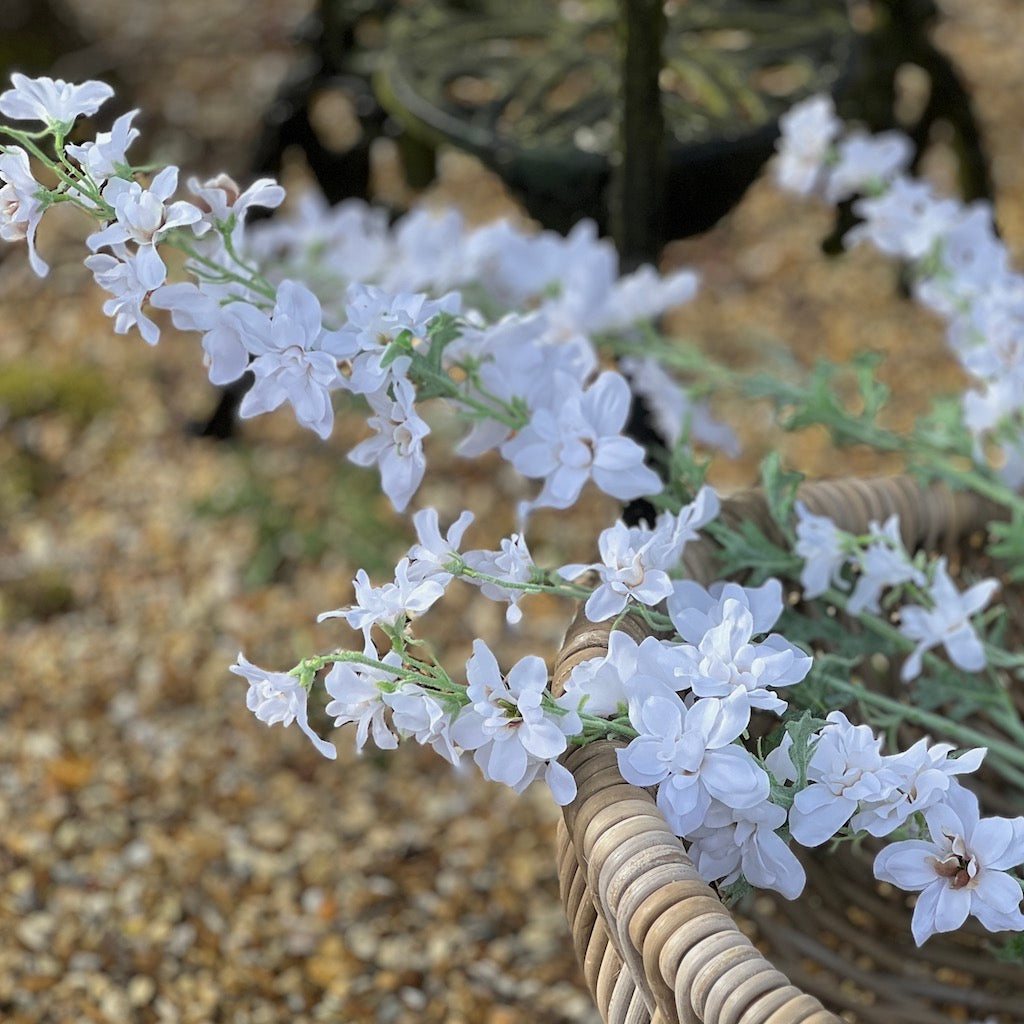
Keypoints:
(164, 856)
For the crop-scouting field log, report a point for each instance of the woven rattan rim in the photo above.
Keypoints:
(654, 941)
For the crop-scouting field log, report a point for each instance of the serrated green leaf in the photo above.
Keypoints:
(780, 487)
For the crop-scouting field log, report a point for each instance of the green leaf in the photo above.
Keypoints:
(780, 491)
(802, 731)
(400, 346)
(745, 549)
(1008, 544)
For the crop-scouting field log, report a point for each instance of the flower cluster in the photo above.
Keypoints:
(882, 563)
(509, 328)
(959, 266)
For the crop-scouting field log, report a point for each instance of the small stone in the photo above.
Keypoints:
(141, 990)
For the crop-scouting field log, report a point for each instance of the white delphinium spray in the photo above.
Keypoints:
(732, 842)
(825, 550)
(807, 131)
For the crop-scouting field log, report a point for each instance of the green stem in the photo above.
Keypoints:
(255, 282)
(1008, 754)
(1009, 722)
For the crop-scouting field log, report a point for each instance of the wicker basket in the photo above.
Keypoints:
(656, 943)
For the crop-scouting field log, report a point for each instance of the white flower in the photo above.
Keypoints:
(52, 101)
(580, 439)
(907, 220)
(597, 686)
(962, 871)
(720, 657)
(430, 558)
(883, 563)
(845, 769)
(634, 560)
(374, 319)
(672, 409)
(731, 842)
(866, 162)
(278, 697)
(512, 562)
(291, 364)
(972, 259)
(925, 775)
(690, 755)
(106, 156)
(418, 713)
(226, 329)
(947, 623)
(357, 697)
(642, 295)
(824, 549)
(512, 736)
(143, 217)
(20, 206)
(397, 447)
(807, 131)
(428, 252)
(516, 362)
(120, 277)
(221, 198)
(389, 605)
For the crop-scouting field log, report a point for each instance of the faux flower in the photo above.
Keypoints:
(291, 364)
(883, 563)
(824, 548)
(732, 842)
(512, 735)
(52, 101)
(925, 775)
(20, 206)
(144, 217)
(276, 697)
(119, 275)
(866, 162)
(689, 753)
(807, 131)
(947, 623)
(397, 446)
(417, 713)
(581, 439)
(388, 606)
(357, 696)
(721, 657)
(431, 556)
(511, 562)
(961, 871)
(635, 560)
(374, 319)
(597, 686)
(907, 220)
(105, 156)
(845, 769)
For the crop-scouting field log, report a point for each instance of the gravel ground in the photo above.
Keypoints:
(165, 857)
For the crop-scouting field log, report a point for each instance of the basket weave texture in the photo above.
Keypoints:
(654, 940)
